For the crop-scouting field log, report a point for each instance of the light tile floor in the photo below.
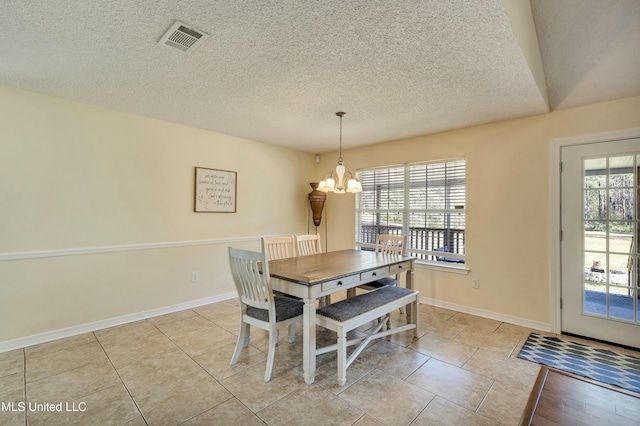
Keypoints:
(174, 369)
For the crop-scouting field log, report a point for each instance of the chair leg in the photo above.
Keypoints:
(321, 304)
(247, 336)
(292, 332)
(324, 301)
(243, 341)
(271, 354)
(342, 357)
(402, 310)
(415, 317)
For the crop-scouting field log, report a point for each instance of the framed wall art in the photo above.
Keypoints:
(215, 191)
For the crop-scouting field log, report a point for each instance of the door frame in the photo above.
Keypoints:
(555, 205)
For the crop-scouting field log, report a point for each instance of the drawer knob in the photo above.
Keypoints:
(374, 274)
(339, 282)
(399, 266)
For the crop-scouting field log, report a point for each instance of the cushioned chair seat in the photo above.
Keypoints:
(286, 308)
(280, 294)
(382, 282)
(250, 272)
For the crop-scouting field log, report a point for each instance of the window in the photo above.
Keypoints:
(424, 201)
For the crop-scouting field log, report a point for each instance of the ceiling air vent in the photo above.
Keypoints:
(183, 37)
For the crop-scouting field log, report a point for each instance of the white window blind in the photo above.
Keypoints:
(424, 201)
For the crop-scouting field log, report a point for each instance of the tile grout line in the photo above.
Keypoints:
(423, 409)
(493, 382)
(233, 396)
(482, 401)
(122, 381)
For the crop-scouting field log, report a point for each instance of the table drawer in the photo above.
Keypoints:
(400, 267)
(371, 275)
(329, 285)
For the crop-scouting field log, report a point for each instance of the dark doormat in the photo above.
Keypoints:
(599, 364)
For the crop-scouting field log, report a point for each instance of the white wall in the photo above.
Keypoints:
(96, 212)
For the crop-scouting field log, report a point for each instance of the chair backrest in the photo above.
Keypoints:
(308, 244)
(250, 272)
(278, 247)
(391, 244)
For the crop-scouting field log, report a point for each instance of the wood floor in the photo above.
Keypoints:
(560, 398)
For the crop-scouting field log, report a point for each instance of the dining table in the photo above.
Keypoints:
(317, 275)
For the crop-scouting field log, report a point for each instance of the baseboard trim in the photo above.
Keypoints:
(522, 322)
(36, 339)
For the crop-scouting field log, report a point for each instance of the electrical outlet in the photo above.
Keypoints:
(195, 276)
(475, 283)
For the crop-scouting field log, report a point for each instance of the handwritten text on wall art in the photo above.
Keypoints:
(215, 191)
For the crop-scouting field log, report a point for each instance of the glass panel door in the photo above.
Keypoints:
(600, 188)
(610, 188)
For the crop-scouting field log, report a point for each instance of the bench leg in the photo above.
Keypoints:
(342, 357)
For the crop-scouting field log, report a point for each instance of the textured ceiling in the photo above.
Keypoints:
(590, 49)
(277, 71)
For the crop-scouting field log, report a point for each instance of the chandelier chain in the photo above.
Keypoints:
(340, 114)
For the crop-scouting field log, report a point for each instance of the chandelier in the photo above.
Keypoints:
(340, 181)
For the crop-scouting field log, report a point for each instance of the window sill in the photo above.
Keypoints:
(454, 269)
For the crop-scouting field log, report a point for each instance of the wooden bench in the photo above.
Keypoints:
(356, 311)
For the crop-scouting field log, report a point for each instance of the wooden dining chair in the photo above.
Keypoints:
(392, 245)
(259, 307)
(280, 247)
(306, 245)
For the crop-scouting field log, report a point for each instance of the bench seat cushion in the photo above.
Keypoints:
(354, 306)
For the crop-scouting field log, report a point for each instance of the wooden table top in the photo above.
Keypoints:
(318, 268)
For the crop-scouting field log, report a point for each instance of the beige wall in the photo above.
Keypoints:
(74, 176)
(508, 202)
